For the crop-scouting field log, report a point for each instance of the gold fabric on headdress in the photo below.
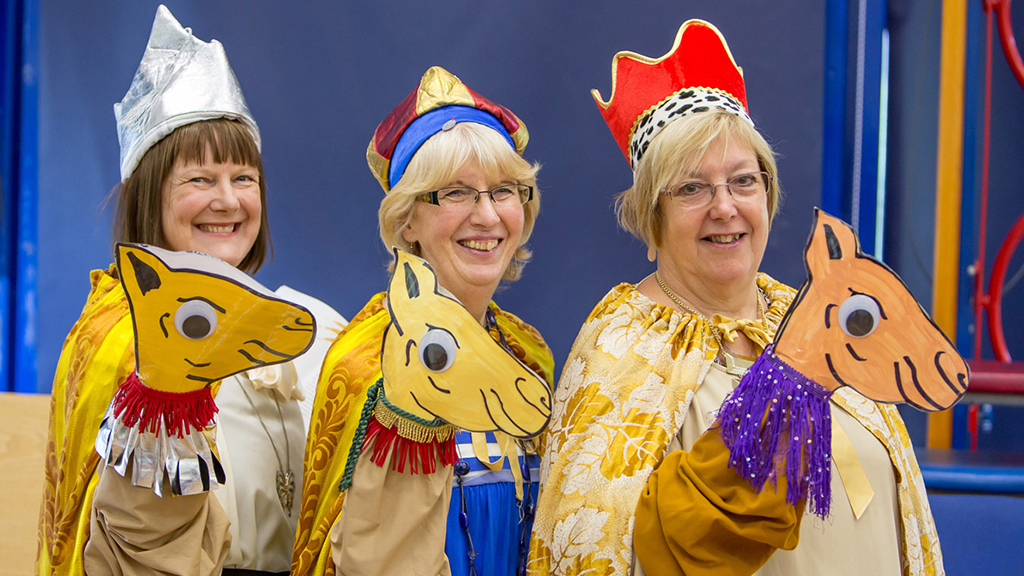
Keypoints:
(439, 88)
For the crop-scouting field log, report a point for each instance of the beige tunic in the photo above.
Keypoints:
(841, 544)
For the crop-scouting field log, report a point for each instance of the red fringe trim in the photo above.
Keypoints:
(420, 456)
(136, 403)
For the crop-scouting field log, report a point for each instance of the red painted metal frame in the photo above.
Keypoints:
(1002, 8)
(991, 302)
(1002, 375)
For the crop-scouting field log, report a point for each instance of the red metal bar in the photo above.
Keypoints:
(991, 302)
(995, 288)
(972, 425)
(995, 377)
(1001, 376)
(1002, 8)
(980, 297)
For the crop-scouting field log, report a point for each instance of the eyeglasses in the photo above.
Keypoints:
(698, 193)
(504, 195)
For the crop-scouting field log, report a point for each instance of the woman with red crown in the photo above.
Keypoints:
(654, 361)
(394, 486)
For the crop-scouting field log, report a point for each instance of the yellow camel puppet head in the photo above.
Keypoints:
(439, 362)
(199, 319)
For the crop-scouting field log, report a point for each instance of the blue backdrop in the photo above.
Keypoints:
(319, 76)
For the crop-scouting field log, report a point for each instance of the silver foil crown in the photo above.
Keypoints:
(180, 80)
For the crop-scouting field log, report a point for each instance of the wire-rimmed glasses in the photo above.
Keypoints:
(698, 193)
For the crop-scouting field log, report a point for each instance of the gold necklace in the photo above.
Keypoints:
(714, 329)
(679, 302)
(285, 477)
(761, 297)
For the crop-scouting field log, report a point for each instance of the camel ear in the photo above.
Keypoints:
(412, 285)
(412, 275)
(409, 278)
(832, 241)
(143, 270)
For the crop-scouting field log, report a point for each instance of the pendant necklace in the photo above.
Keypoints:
(285, 477)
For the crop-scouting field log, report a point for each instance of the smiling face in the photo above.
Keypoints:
(469, 246)
(723, 242)
(211, 207)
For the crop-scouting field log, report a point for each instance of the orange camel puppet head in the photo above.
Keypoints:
(855, 323)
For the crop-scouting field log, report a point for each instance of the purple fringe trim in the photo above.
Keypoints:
(778, 420)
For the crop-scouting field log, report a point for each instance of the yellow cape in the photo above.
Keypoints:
(352, 365)
(98, 355)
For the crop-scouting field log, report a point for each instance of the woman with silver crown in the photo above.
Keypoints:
(459, 195)
(654, 360)
(192, 180)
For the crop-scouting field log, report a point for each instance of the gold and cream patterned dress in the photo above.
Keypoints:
(625, 393)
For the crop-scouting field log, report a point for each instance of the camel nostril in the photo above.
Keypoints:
(960, 376)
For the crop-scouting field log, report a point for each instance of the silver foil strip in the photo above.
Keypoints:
(190, 464)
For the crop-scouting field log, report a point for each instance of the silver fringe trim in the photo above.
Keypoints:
(190, 464)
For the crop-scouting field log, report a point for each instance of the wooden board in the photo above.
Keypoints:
(23, 425)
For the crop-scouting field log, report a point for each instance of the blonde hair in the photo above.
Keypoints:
(681, 147)
(436, 164)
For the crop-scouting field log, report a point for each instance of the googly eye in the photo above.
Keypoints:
(437, 350)
(195, 319)
(859, 315)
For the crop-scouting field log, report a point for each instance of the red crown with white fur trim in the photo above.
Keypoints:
(698, 74)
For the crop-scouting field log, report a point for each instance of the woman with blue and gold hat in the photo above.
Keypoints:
(460, 197)
(192, 180)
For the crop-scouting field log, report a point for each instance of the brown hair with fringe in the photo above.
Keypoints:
(139, 197)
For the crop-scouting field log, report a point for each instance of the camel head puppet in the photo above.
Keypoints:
(443, 371)
(197, 320)
(853, 323)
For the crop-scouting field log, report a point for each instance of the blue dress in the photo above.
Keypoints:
(498, 524)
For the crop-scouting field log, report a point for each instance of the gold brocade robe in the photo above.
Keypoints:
(351, 366)
(624, 391)
(98, 355)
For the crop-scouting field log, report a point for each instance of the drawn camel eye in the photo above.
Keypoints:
(195, 319)
(859, 315)
(437, 350)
